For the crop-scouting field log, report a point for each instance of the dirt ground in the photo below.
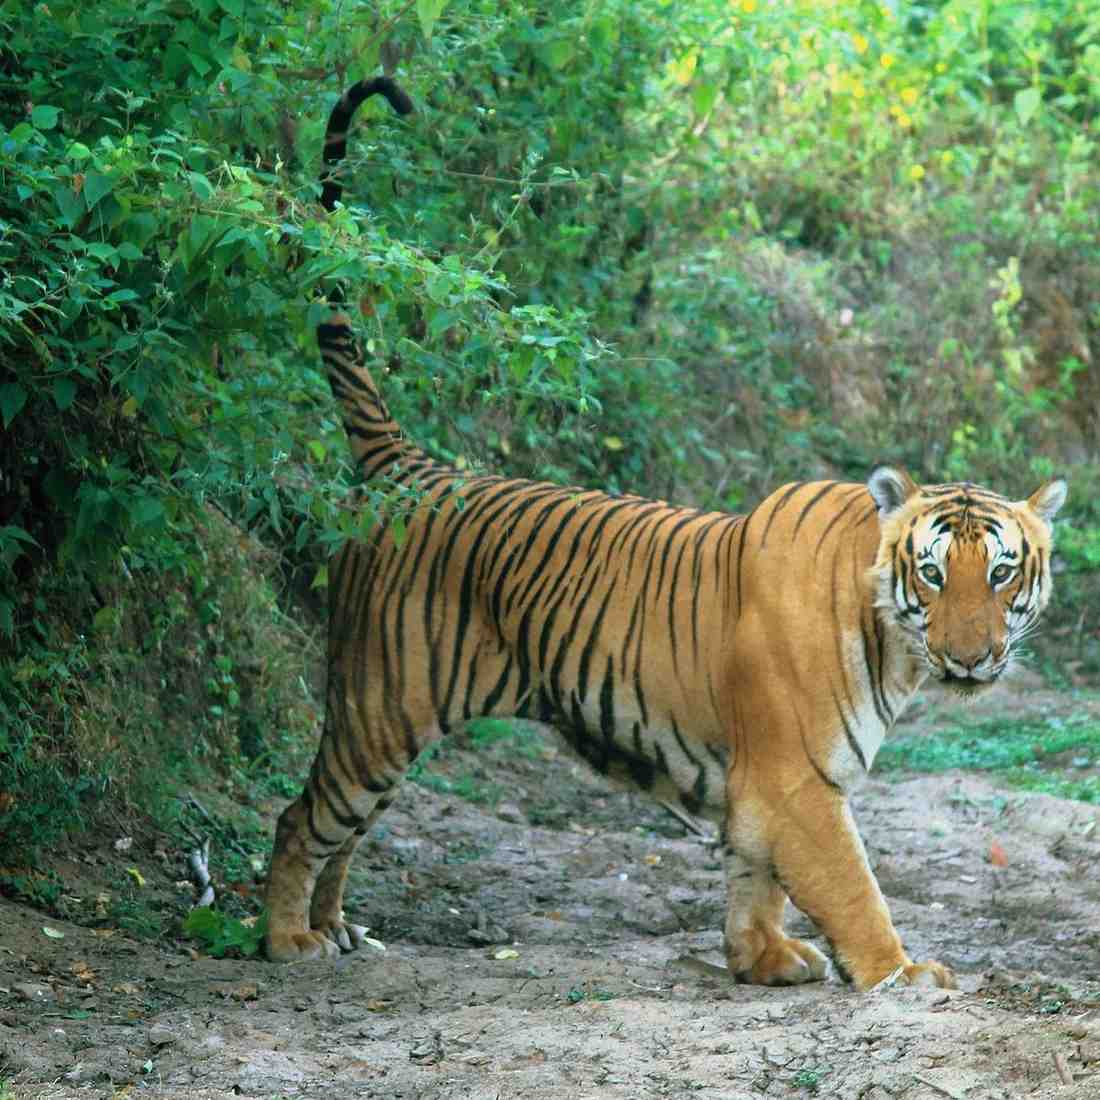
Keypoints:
(561, 941)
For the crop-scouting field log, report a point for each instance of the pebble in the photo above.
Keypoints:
(28, 991)
(161, 1036)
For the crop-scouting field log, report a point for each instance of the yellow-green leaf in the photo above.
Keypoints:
(683, 69)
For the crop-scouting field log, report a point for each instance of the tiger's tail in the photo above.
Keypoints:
(375, 438)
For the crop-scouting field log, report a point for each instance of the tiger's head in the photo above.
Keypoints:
(964, 572)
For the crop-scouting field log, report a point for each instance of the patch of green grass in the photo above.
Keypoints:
(463, 852)
(482, 733)
(588, 993)
(808, 1079)
(1038, 755)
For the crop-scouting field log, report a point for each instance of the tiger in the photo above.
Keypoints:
(744, 666)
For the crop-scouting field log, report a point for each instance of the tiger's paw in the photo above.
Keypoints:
(291, 947)
(345, 935)
(926, 975)
(775, 960)
(929, 975)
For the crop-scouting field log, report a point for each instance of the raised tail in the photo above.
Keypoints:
(375, 438)
(336, 133)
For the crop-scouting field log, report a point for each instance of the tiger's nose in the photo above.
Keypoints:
(969, 666)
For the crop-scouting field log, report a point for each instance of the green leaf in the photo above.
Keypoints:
(12, 398)
(556, 55)
(201, 186)
(397, 530)
(146, 511)
(703, 96)
(428, 11)
(18, 534)
(96, 185)
(441, 320)
(44, 118)
(103, 251)
(64, 392)
(1027, 103)
(70, 203)
(203, 923)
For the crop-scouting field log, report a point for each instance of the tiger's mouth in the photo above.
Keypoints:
(966, 685)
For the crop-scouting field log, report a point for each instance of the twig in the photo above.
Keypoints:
(890, 980)
(1063, 1069)
(198, 863)
(229, 839)
(936, 1088)
(686, 820)
(645, 988)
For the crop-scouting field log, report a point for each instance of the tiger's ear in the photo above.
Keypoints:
(1048, 498)
(891, 487)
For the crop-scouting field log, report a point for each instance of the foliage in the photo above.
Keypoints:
(1058, 756)
(435, 770)
(221, 935)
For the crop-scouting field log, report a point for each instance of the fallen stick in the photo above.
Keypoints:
(686, 820)
(942, 1090)
(198, 863)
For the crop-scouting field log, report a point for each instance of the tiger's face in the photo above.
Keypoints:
(964, 572)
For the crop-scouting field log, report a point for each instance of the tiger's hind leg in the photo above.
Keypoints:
(305, 887)
(353, 779)
(326, 911)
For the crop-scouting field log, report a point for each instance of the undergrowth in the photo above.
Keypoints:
(186, 678)
(1059, 756)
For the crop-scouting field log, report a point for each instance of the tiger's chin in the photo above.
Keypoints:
(968, 687)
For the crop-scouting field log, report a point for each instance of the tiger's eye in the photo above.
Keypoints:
(932, 575)
(1001, 574)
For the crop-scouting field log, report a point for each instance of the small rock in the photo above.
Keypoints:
(28, 991)
(161, 1036)
(509, 811)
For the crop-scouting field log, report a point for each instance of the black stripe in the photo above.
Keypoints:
(777, 508)
(824, 491)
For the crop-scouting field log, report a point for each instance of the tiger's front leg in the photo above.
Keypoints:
(805, 844)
